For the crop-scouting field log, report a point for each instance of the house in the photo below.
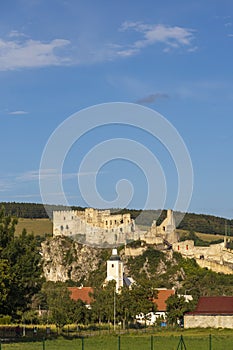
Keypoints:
(82, 293)
(214, 312)
(162, 295)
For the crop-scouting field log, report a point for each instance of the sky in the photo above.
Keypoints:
(59, 57)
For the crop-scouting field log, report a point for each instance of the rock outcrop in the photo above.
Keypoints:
(65, 259)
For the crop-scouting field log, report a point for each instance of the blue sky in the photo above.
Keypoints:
(175, 57)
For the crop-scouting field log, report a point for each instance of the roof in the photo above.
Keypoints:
(218, 305)
(81, 293)
(162, 296)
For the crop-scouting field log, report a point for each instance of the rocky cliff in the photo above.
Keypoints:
(65, 259)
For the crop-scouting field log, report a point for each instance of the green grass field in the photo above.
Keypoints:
(194, 340)
(37, 226)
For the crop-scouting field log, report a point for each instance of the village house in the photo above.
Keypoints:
(213, 312)
(82, 293)
(162, 295)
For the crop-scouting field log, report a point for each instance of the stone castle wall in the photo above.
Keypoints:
(94, 226)
(215, 257)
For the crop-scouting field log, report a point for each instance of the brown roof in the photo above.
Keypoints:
(214, 306)
(163, 295)
(81, 293)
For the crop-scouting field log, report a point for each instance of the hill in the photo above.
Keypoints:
(69, 261)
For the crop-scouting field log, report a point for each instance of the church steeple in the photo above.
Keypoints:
(115, 269)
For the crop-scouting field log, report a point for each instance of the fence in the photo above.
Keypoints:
(127, 342)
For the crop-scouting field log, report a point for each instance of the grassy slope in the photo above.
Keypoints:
(37, 226)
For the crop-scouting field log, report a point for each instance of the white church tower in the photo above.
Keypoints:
(115, 269)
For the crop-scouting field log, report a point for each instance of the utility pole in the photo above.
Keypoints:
(114, 309)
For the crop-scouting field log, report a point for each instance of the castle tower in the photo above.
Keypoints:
(115, 269)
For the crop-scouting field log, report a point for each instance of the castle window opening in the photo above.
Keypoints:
(106, 222)
(178, 248)
(112, 265)
(115, 222)
(62, 228)
(187, 247)
(164, 228)
(67, 227)
(64, 217)
(72, 218)
(110, 222)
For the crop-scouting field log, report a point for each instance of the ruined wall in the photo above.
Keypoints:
(164, 232)
(134, 251)
(97, 227)
(215, 257)
(214, 266)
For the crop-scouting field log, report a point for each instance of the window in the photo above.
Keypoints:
(112, 265)
(64, 217)
(67, 227)
(62, 228)
(178, 248)
(187, 247)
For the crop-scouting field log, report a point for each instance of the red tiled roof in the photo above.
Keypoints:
(81, 293)
(163, 295)
(214, 306)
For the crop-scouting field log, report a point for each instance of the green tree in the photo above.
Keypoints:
(5, 281)
(7, 229)
(103, 304)
(176, 307)
(20, 259)
(59, 303)
(135, 300)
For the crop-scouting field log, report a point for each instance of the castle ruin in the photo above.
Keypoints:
(101, 228)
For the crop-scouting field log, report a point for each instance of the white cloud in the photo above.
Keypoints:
(35, 175)
(172, 37)
(19, 112)
(27, 53)
(18, 51)
(16, 34)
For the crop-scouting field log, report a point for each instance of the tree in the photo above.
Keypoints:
(59, 303)
(103, 304)
(176, 307)
(5, 281)
(7, 229)
(20, 259)
(24, 262)
(81, 314)
(135, 300)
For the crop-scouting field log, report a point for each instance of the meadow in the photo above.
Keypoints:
(193, 340)
(39, 227)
